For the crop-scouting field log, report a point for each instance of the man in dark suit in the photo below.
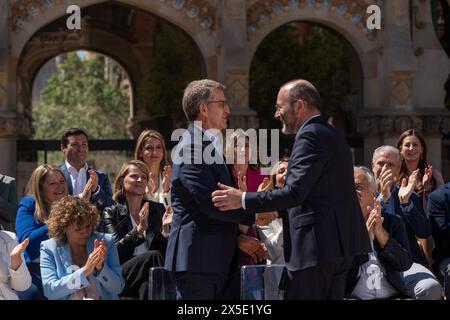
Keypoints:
(323, 225)
(439, 213)
(8, 202)
(79, 177)
(202, 246)
(378, 274)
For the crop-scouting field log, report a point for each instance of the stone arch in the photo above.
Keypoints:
(27, 62)
(345, 17)
(36, 55)
(195, 17)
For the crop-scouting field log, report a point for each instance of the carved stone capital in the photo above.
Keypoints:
(8, 125)
(389, 125)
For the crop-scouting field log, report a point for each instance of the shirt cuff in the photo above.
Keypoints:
(243, 200)
(96, 192)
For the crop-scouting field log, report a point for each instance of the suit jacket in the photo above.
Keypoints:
(395, 257)
(323, 221)
(60, 279)
(8, 202)
(202, 239)
(28, 227)
(439, 214)
(103, 198)
(117, 221)
(416, 222)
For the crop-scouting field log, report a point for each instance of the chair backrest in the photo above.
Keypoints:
(161, 285)
(261, 282)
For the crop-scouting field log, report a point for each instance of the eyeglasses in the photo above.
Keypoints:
(223, 102)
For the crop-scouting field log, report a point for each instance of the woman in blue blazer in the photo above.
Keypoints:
(46, 186)
(77, 262)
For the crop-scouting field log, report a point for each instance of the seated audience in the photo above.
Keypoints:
(272, 233)
(377, 274)
(151, 149)
(404, 203)
(14, 275)
(80, 178)
(46, 186)
(137, 226)
(439, 213)
(414, 152)
(78, 263)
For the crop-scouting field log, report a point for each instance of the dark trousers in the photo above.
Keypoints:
(207, 286)
(317, 283)
(35, 291)
(136, 273)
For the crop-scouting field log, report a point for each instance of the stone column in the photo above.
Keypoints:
(7, 113)
(398, 56)
(233, 36)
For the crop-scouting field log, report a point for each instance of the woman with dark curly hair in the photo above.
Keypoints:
(140, 227)
(77, 262)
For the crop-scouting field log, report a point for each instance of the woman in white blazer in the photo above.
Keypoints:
(14, 274)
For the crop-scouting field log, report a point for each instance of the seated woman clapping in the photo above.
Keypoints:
(14, 274)
(77, 262)
(138, 228)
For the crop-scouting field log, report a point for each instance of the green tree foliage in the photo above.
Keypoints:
(175, 63)
(318, 56)
(79, 95)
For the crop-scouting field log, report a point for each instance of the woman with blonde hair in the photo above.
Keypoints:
(46, 186)
(78, 263)
(140, 227)
(151, 149)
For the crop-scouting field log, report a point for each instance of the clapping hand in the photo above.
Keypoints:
(263, 184)
(167, 176)
(143, 219)
(263, 219)
(242, 182)
(95, 259)
(16, 254)
(167, 220)
(428, 175)
(253, 247)
(94, 178)
(386, 180)
(407, 188)
(103, 250)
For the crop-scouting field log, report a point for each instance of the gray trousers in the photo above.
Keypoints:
(422, 283)
(444, 269)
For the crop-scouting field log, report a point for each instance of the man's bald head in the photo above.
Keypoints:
(303, 89)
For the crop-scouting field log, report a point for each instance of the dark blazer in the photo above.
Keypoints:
(103, 198)
(395, 257)
(116, 220)
(439, 214)
(28, 227)
(8, 202)
(416, 222)
(323, 221)
(202, 239)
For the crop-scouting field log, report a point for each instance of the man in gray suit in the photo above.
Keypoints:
(8, 202)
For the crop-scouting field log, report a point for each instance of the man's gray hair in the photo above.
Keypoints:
(197, 92)
(305, 91)
(386, 149)
(369, 175)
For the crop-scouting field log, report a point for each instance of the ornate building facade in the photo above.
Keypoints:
(404, 66)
